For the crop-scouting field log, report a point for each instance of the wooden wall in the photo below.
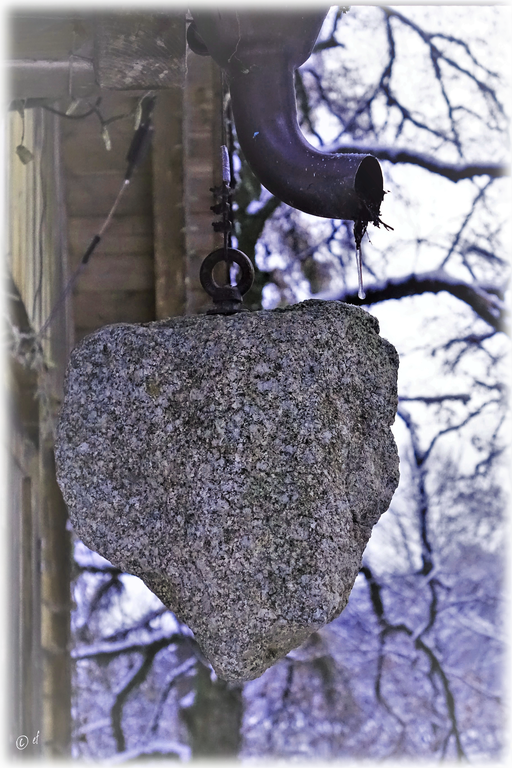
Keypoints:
(118, 282)
(147, 264)
(38, 540)
(36, 235)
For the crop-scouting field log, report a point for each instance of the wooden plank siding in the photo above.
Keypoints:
(39, 541)
(36, 255)
(23, 551)
(147, 265)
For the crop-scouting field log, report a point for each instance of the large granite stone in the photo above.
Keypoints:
(235, 464)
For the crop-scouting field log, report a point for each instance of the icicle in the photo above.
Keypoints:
(359, 261)
(360, 227)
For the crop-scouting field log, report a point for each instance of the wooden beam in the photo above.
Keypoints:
(49, 55)
(71, 55)
(43, 79)
(202, 137)
(41, 547)
(22, 379)
(55, 605)
(168, 209)
(24, 626)
(140, 50)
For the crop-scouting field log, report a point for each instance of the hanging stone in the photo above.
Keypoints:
(236, 465)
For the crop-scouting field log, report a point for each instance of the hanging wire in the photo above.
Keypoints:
(226, 171)
(136, 151)
(83, 263)
(228, 182)
(24, 154)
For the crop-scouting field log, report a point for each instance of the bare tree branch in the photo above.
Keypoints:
(480, 195)
(155, 750)
(171, 679)
(429, 400)
(419, 470)
(452, 171)
(134, 679)
(422, 456)
(436, 668)
(331, 41)
(483, 302)
(472, 339)
(436, 54)
(107, 649)
(103, 590)
(143, 623)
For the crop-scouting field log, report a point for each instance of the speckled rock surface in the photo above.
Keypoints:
(236, 464)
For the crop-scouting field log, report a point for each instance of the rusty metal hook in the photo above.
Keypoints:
(227, 298)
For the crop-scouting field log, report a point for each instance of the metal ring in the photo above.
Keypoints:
(210, 285)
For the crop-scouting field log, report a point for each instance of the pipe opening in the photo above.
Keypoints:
(369, 185)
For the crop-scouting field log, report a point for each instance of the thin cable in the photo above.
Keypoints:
(226, 176)
(113, 209)
(231, 150)
(138, 147)
(224, 90)
(85, 258)
(226, 181)
(81, 116)
(226, 172)
(22, 113)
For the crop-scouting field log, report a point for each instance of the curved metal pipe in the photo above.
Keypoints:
(259, 53)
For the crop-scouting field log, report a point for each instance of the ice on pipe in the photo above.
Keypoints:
(236, 464)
